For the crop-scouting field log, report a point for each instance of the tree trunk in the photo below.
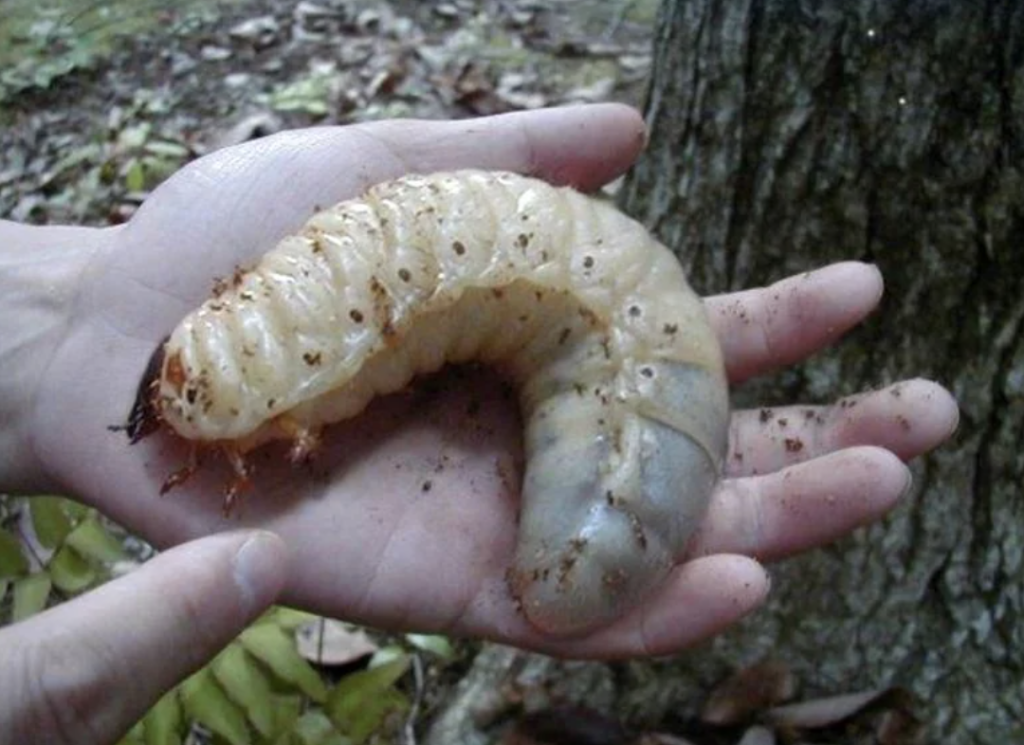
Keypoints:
(787, 134)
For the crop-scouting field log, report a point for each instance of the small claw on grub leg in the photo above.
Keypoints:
(239, 483)
(184, 473)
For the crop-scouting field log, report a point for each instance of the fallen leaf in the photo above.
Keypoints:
(260, 32)
(214, 53)
(204, 700)
(12, 561)
(748, 692)
(313, 21)
(433, 643)
(757, 736)
(823, 712)
(325, 641)
(568, 725)
(362, 702)
(599, 90)
(514, 89)
(270, 644)
(251, 127)
(30, 595)
(661, 738)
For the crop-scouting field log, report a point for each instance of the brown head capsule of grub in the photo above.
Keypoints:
(144, 417)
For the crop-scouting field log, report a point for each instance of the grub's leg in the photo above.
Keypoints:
(305, 441)
(241, 480)
(184, 473)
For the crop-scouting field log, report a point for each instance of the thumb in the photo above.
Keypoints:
(86, 671)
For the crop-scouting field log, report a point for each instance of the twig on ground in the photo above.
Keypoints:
(417, 701)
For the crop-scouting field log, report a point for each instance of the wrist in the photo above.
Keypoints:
(40, 268)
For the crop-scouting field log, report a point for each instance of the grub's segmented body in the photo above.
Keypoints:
(620, 378)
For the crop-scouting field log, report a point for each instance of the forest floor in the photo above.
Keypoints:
(99, 102)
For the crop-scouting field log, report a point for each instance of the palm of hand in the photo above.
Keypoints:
(406, 519)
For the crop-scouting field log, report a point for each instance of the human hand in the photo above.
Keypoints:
(87, 670)
(407, 517)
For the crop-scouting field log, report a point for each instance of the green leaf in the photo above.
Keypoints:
(205, 701)
(12, 560)
(30, 595)
(108, 172)
(45, 72)
(246, 685)
(361, 702)
(314, 728)
(433, 643)
(163, 723)
(287, 707)
(135, 136)
(167, 149)
(49, 520)
(158, 169)
(87, 153)
(76, 510)
(386, 655)
(70, 571)
(308, 94)
(288, 619)
(134, 736)
(93, 541)
(135, 176)
(276, 649)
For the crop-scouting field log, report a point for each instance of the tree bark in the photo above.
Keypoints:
(786, 134)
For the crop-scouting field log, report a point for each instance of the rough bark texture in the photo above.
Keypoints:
(789, 134)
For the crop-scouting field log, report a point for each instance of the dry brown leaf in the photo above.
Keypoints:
(599, 90)
(887, 713)
(900, 727)
(569, 725)
(758, 736)
(661, 738)
(260, 32)
(750, 691)
(325, 641)
(250, 128)
(823, 712)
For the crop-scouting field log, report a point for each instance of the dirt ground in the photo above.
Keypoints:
(98, 107)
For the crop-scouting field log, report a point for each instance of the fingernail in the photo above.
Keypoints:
(260, 570)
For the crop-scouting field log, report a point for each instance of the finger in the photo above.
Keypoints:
(581, 146)
(769, 327)
(699, 600)
(92, 667)
(803, 506)
(908, 418)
